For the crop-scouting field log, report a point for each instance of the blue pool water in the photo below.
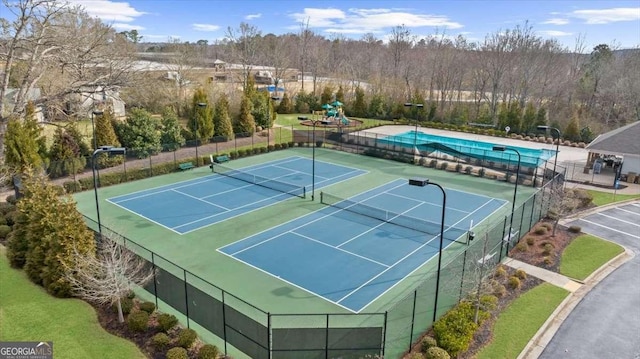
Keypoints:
(468, 148)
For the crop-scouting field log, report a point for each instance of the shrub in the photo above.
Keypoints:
(415, 356)
(547, 225)
(468, 170)
(500, 272)
(436, 353)
(138, 321)
(521, 274)
(148, 307)
(499, 290)
(160, 341)
(433, 163)
(547, 260)
(131, 295)
(208, 351)
(454, 330)
(126, 303)
(481, 172)
(427, 342)
(575, 229)
(522, 246)
(4, 230)
(514, 282)
(444, 165)
(186, 337)
(458, 167)
(167, 321)
(489, 302)
(530, 240)
(177, 353)
(540, 230)
(547, 248)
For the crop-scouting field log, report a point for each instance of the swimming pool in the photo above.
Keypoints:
(457, 147)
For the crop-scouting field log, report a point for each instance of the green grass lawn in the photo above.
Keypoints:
(585, 254)
(28, 313)
(519, 322)
(602, 198)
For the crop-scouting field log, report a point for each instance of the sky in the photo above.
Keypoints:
(613, 22)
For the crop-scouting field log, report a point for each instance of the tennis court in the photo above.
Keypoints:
(354, 250)
(189, 205)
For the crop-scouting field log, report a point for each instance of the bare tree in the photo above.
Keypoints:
(109, 276)
(562, 202)
(244, 44)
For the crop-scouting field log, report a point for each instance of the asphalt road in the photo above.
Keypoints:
(606, 323)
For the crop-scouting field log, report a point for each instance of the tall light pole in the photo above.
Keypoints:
(419, 106)
(200, 105)
(111, 151)
(93, 126)
(515, 192)
(313, 157)
(425, 182)
(553, 129)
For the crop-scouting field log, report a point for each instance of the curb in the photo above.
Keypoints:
(543, 336)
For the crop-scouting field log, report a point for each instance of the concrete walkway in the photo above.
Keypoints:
(577, 289)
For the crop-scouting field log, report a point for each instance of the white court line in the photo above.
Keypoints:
(609, 228)
(143, 217)
(163, 191)
(292, 171)
(626, 210)
(286, 281)
(426, 202)
(340, 249)
(403, 258)
(200, 199)
(618, 219)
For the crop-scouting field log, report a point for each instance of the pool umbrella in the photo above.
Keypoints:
(337, 103)
(326, 106)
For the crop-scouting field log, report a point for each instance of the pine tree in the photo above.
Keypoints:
(106, 136)
(377, 108)
(572, 131)
(340, 94)
(529, 119)
(286, 106)
(541, 117)
(65, 155)
(327, 95)
(301, 103)
(141, 133)
(359, 105)
(83, 147)
(171, 138)
(20, 147)
(221, 118)
(245, 125)
(54, 230)
(204, 116)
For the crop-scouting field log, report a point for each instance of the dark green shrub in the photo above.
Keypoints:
(148, 307)
(540, 230)
(436, 353)
(126, 304)
(4, 231)
(167, 321)
(454, 330)
(426, 343)
(521, 274)
(433, 163)
(186, 337)
(6, 207)
(11, 217)
(468, 170)
(131, 295)
(12, 199)
(514, 282)
(444, 165)
(2, 220)
(300, 144)
(575, 229)
(208, 351)
(177, 353)
(458, 167)
(160, 341)
(138, 321)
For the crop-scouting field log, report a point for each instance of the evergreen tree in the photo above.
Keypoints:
(245, 124)
(377, 107)
(65, 155)
(503, 117)
(20, 147)
(203, 115)
(541, 117)
(327, 95)
(484, 115)
(359, 105)
(340, 94)
(222, 119)
(301, 103)
(35, 130)
(78, 138)
(286, 106)
(106, 136)
(529, 119)
(17, 245)
(54, 230)
(261, 109)
(140, 134)
(514, 117)
(572, 131)
(171, 138)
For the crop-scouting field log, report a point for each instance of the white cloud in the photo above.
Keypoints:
(205, 27)
(554, 33)
(556, 21)
(108, 10)
(605, 16)
(253, 16)
(361, 21)
(127, 27)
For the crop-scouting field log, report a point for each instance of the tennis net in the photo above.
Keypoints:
(417, 224)
(260, 181)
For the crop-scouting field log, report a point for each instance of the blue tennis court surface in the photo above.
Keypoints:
(190, 205)
(351, 259)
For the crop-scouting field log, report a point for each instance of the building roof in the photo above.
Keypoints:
(624, 140)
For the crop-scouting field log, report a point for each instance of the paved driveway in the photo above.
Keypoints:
(606, 323)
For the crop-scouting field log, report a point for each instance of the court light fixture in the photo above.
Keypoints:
(515, 192)
(422, 182)
(111, 151)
